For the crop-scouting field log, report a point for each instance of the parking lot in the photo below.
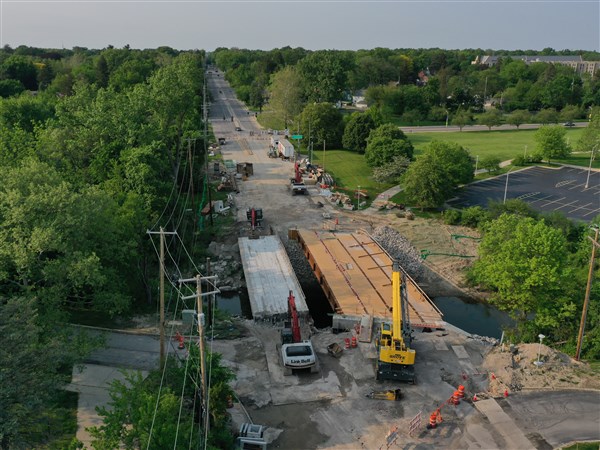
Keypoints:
(544, 189)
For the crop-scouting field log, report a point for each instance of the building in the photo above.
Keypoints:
(575, 62)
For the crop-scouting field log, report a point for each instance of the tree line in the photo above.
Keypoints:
(90, 161)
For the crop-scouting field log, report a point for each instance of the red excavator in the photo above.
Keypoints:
(295, 352)
(297, 183)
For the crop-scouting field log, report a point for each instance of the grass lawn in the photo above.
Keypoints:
(505, 144)
(349, 170)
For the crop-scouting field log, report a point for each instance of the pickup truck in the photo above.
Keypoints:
(298, 188)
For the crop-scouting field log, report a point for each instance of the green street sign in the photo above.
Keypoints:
(296, 136)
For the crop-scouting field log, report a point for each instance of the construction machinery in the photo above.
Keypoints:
(395, 357)
(297, 183)
(390, 394)
(296, 353)
(254, 217)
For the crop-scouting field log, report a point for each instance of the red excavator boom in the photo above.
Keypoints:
(294, 318)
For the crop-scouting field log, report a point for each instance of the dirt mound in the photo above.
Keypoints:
(519, 370)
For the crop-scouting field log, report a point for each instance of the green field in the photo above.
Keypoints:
(502, 144)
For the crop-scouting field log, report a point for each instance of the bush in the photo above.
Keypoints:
(519, 161)
(475, 215)
(452, 216)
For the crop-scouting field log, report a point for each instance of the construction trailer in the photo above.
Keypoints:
(285, 149)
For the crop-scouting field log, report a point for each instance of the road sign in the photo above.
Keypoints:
(297, 136)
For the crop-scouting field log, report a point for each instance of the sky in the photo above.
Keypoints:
(311, 24)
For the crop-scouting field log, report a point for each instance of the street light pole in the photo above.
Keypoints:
(506, 187)
(587, 182)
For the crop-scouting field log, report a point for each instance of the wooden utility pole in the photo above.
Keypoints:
(161, 276)
(200, 318)
(162, 297)
(586, 301)
(202, 354)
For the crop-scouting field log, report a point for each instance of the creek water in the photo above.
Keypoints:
(470, 316)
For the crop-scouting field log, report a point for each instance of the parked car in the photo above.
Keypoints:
(569, 124)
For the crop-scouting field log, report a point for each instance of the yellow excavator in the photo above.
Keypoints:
(395, 357)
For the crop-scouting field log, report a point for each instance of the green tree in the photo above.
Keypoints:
(524, 263)
(551, 142)
(491, 118)
(590, 137)
(391, 172)
(36, 357)
(518, 117)
(20, 68)
(426, 183)
(547, 116)
(357, 131)
(570, 112)
(10, 87)
(322, 123)
(324, 74)
(134, 404)
(286, 94)
(65, 247)
(385, 143)
(102, 72)
(461, 119)
(454, 159)
(491, 163)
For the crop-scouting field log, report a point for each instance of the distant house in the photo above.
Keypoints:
(575, 62)
(358, 99)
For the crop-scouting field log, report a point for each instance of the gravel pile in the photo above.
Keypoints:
(299, 262)
(399, 249)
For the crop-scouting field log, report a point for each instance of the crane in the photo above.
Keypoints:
(395, 357)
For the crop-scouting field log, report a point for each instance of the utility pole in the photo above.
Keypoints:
(586, 301)
(202, 350)
(200, 318)
(161, 276)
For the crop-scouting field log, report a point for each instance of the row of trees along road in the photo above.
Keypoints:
(415, 84)
(91, 162)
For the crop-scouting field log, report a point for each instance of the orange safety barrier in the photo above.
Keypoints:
(354, 343)
(347, 342)
(461, 391)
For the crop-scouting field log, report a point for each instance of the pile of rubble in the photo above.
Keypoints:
(400, 249)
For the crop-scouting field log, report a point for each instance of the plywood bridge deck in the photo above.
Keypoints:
(355, 274)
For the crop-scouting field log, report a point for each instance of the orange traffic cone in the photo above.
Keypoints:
(475, 398)
(461, 391)
(432, 420)
(456, 398)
